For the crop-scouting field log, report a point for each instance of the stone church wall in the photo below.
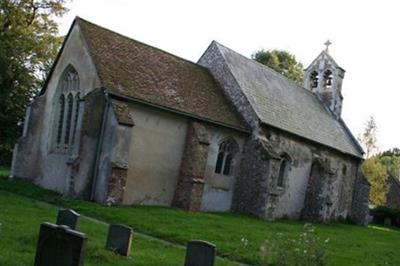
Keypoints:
(156, 145)
(28, 145)
(323, 196)
(360, 209)
(331, 188)
(218, 189)
(155, 152)
(256, 191)
(52, 169)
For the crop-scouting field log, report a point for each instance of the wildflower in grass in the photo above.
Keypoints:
(306, 250)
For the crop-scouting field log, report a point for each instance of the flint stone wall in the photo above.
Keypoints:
(256, 190)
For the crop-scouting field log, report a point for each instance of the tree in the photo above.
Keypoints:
(376, 174)
(392, 164)
(28, 46)
(282, 62)
(391, 159)
(368, 138)
(373, 169)
(391, 152)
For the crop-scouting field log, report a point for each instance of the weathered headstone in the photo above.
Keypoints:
(119, 239)
(200, 253)
(68, 217)
(59, 245)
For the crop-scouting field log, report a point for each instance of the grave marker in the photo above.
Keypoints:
(68, 217)
(200, 253)
(59, 245)
(119, 239)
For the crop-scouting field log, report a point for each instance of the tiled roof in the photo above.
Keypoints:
(281, 103)
(139, 71)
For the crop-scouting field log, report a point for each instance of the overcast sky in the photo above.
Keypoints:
(365, 36)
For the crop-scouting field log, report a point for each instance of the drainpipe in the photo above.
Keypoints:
(99, 147)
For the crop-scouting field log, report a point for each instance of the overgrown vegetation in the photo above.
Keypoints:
(348, 245)
(378, 166)
(391, 163)
(372, 168)
(305, 250)
(381, 213)
(376, 174)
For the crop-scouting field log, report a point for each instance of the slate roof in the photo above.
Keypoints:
(138, 71)
(281, 103)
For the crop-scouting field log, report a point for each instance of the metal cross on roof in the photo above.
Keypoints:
(327, 43)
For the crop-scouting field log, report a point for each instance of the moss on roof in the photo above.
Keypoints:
(136, 70)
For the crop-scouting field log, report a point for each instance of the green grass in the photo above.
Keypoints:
(348, 245)
(20, 219)
(4, 170)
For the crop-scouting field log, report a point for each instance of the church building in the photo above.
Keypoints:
(121, 122)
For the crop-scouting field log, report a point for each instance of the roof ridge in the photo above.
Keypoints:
(139, 42)
(269, 69)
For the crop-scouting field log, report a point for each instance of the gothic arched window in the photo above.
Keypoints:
(70, 105)
(314, 80)
(283, 170)
(77, 99)
(328, 77)
(67, 108)
(226, 154)
(61, 103)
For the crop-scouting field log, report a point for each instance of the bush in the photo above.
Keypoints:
(381, 213)
(307, 249)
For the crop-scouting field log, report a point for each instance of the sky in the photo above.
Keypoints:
(364, 34)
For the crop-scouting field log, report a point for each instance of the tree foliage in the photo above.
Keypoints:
(374, 170)
(391, 152)
(392, 164)
(282, 62)
(28, 45)
(376, 174)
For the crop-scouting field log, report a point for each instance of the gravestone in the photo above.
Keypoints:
(119, 239)
(200, 253)
(68, 217)
(387, 221)
(59, 245)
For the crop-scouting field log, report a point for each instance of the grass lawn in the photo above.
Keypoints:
(4, 170)
(348, 244)
(20, 219)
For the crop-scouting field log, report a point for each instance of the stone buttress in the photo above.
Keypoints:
(189, 190)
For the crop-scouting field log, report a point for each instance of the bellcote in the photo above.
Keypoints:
(324, 77)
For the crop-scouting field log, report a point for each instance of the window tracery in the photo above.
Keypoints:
(67, 109)
(226, 154)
